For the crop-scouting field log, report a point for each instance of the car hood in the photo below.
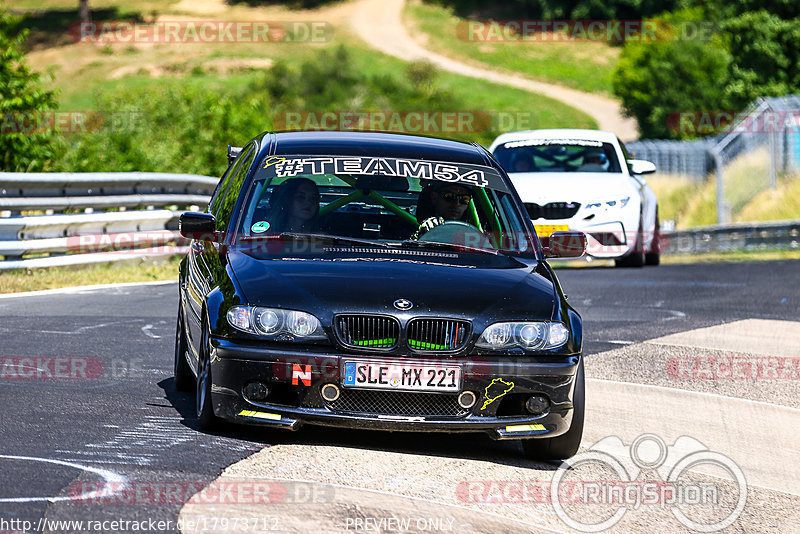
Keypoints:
(583, 187)
(326, 287)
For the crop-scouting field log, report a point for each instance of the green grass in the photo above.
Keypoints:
(509, 108)
(722, 257)
(19, 280)
(587, 66)
(674, 193)
(780, 203)
(747, 193)
(536, 111)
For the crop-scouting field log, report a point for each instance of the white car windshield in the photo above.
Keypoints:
(557, 155)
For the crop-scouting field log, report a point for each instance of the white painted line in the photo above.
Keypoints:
(146, 329)
(706, 393)
(762, 438)
(119, 482)
(81, 289)
(764, 337)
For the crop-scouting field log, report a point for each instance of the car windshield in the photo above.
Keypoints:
(384, 203)
(557, 155)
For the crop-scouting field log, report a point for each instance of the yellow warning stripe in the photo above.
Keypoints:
(260, 415)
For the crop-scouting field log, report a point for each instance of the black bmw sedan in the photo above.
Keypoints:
(378, 281)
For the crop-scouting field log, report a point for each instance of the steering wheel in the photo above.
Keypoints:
(436, 229)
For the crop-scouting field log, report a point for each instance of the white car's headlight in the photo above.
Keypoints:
(285, 325)
(615, 203)
(526, 335)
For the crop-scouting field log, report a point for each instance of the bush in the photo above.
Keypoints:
(185, 128)
(21, 96)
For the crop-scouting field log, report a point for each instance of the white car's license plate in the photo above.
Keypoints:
(407, 376)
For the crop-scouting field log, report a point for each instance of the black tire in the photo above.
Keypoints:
(184, 379)
(566, 445)
(204, 408)
(653, 256)
(637, 256)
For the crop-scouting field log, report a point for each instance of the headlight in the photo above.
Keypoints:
(284, 325)
(526, 335)
(616, 203)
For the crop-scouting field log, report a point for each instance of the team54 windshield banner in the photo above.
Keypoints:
(456, 173)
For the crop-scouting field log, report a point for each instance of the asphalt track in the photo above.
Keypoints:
(122, 421)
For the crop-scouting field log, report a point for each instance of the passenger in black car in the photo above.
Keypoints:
(294, 206)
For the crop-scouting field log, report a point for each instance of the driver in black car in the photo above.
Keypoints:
(441, 199)
(440, 202)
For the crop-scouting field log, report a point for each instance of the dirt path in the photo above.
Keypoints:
(379, 23)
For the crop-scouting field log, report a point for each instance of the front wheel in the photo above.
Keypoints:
(653, 256)
(204, 408)
(181, 371)
(637, 256)
(567, 444)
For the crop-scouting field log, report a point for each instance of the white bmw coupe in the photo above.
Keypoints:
(585, 180)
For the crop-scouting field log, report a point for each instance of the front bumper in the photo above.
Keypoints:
(294, 401)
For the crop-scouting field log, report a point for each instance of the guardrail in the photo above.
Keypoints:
(97, 236)
(83, 238)
(778, 235)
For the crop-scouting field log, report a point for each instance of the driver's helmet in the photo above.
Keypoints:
(597, 160)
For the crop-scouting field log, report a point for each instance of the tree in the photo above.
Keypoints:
(83, 11)
(657, 81)
(26, 142)
(766, 58)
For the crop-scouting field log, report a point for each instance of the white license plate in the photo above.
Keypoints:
(544, 230)
(406, 376)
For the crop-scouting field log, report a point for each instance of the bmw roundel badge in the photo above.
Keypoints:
(403, 304)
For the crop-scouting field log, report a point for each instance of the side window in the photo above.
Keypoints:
(223, 183)
(228, 198)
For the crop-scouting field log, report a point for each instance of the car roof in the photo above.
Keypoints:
(559, 133)
(390, 145)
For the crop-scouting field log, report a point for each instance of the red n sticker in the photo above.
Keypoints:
(303, 373)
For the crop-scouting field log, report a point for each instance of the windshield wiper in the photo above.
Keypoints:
(410, 243)
(338, 239)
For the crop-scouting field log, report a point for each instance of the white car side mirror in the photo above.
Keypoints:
(640, 166)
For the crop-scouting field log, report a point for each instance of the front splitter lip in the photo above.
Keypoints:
(234, 409)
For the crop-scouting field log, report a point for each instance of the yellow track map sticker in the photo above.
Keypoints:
(495, 390)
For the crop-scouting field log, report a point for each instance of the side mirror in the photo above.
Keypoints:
(233, 153)
(640, 166)
(198, 225)
(565, 245)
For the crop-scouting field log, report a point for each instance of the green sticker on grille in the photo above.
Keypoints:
(386, 342)
(421, 345)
